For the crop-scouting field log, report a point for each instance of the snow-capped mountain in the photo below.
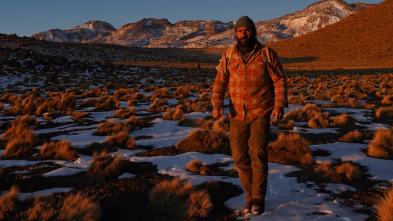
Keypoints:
(159, 33)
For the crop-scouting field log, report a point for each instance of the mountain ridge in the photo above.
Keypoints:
(160, 33)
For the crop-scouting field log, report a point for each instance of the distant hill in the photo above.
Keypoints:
(362, 40)
(160, 33)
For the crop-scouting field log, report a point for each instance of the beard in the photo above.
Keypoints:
(245, 44)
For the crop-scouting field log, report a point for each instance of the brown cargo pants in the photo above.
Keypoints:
(249, 141)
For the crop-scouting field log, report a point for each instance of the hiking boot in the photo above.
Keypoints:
(247, 208)
(258, 207)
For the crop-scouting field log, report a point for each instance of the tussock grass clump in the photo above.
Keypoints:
(182, 92)
(290, 149)
(124, 93)
(159, 105)
(79, 207)
(387, 100)
(286, 124)
(109, 127)
(94, 92)
(74, 207)
(344, 121)
(121, 139)
(44, 107)
(134, 122)
(20, 138)
(221, 125)
(105, 102)
(1, 106)
(205, 141)
(384, 207)
(171, 114)
(382, 144)
(79, 116)
(105, 166)
(296, 100)
(194, 165)
(319, 120)
(124, 112)
(343, 101)
(304, 114)
(178, 199)
(67, 102)
(352, 137)
(341, 172)
(59, 150)
(162, 93)
(384, 113)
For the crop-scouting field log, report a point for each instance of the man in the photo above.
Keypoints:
(257, 89)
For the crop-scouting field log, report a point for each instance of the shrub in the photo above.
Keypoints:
(382, 144)
(296, 100)
(384, 113)
(59, 150)
(159, 105)
(124, 113)
(205, 141)
(221, 125)
(104, 166)
(29, 105)
(123, 93)
(19, 137)
(134, 122)
(10, 204)
(344, 121)
(180, 200)
(387, 100)
(318, 121)
(94, 92)
(384, 208)
(43, 108)
(109, 127)
(182, 92)
(352, 137)
(290, 149)
(79, 116)
(303, 114)
(79, 207)
(194, 165)
(121, 139)
(286, 124)
(341, 172)
(67, 102)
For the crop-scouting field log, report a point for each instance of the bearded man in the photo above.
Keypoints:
(257, 88)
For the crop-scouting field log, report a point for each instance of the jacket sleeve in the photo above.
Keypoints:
(220, 83)
(277, 75)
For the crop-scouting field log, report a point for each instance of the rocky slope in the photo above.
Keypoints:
(159, 33)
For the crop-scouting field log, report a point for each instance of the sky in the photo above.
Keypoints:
(28, 17)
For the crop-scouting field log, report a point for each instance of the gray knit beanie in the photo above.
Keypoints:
(245, 21)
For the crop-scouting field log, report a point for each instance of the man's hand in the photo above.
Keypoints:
(217, 112)
(277, 114)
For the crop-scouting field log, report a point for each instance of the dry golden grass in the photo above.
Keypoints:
(387, 100)
(1, 106)
(352, 137)
(59, 150)
(304, 114)
(344, 121)
(79, 116)
(44, 107)
(286, 124)
(10, 204)
(382, 144)
(79, 207)
(163, 93)
(108, 127)
(182, 92)
(194, 165)
(205, 141)
(290, 149)
(19, 137)
(124, 112)
(134, 122)
(341, 172)
(296, 100)
(319, 120)
(67, 102)
(104, 166)
(384, 113)
(221, 125)
(171, 114)
(180, 200)
(384, 208)
(105, 102)
(124, 93)
(94, 92)
(121, 139)
(159, 105)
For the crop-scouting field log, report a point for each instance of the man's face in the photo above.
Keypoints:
(244, 35)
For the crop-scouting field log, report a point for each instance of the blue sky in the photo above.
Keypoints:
(28, 17)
